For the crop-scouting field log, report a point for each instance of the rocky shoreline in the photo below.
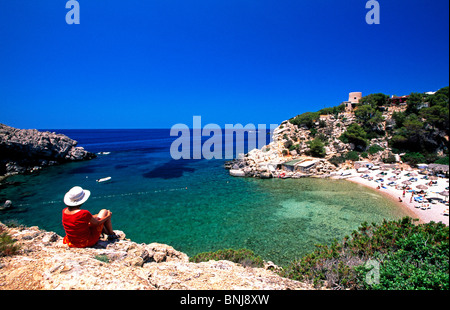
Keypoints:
(276, 161)
(43, 262)
(288, 153)
(29, 150)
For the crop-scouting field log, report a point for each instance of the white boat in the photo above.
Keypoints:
(104, 153)
(237, 173)
(104, 179)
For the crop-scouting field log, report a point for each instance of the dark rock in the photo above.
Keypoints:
(22, 150)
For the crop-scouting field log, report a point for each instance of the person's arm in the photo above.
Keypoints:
(95, 221)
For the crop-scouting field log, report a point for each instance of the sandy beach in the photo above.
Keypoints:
(425, 211)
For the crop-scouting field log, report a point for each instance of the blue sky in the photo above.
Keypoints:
(152, 64)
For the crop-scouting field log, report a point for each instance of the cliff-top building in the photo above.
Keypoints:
(353, 99)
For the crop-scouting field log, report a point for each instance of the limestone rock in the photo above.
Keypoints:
(23, 150)
(44, 262)
(237, 173)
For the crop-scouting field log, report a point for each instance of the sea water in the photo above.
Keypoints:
(193, 205)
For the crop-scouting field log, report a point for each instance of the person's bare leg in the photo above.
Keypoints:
(107, 226)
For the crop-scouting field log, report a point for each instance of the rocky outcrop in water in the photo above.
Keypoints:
(27, 150)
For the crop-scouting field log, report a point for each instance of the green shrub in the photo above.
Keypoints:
(352, 155)
(332, 110)
(337, 160)
(242, 256)
(374, 148)
(306, 119)
(414, 158)
(410, 256)
(7, 244)
(355, 134)
(316, 148)
(288, 144)
(294, 147)
(442, 161)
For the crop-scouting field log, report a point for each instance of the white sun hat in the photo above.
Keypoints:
(76, 196)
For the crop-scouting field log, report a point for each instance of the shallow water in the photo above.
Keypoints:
(194, 205)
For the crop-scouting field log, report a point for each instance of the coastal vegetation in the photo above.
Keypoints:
(244, 257)
(408, 256)
(421, 129)
(391, 255)
(8, 245)
(415, 130)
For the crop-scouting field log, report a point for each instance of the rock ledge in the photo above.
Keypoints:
(44, 262)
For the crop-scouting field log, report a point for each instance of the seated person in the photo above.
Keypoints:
(81, 227)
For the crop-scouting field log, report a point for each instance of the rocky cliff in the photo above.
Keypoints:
(24, 150)
(291, 146)
(44, 262)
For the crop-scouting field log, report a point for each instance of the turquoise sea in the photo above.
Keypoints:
(193, 205)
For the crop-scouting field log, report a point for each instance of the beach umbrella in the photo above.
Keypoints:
(397, 172)
(392, 179)
(433, 178)
(413, 174)
(422, 187)
(406, 182)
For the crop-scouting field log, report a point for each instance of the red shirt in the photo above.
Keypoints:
(79, 232)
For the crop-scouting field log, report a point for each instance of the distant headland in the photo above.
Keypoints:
(28, 150)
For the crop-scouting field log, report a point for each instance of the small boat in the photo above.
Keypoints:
(446, 212)
(104, 153)
(103, 180)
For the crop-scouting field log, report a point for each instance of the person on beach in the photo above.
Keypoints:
(82, 228)
(404, 193)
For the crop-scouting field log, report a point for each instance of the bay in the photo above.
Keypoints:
(193, 205)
